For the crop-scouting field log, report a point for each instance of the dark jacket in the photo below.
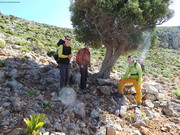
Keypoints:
(63, 53)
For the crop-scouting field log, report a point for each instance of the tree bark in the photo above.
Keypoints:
(110, 59)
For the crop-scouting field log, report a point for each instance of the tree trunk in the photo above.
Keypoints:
(108, 62)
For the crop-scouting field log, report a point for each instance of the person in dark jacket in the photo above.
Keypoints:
(65, 55)
(83, 60)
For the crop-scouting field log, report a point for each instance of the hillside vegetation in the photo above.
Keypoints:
(39, 37)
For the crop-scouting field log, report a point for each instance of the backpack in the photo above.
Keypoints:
(141, 63)
(60, 42)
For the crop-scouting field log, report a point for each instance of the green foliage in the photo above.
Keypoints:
(7, 21)
(47, 106)
(33, 35)
(167, 73)
(10, 32)
(154, 39)
(31, 38)
(177, 91)
(2, 63)
(29, 93)
(2, 26)
(50, 49)
(162, 61)
(2, 45)
(2, 21)
(90, 18)
(34, 123)
(158, 61)
(26, 50)
(9, 41)
(21, 41)
(118, 25)
(37, 46)
(37, 37)
(29, 29)
(130, 115)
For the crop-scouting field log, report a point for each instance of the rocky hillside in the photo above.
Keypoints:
(29, 81)
(169, 37)
(28, 85)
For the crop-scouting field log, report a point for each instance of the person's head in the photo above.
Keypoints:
(130, 59)
(87, 45)
(67, 39)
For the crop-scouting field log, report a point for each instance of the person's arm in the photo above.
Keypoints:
(139, 70)
(126, 74)
(89, 62)
(60, 50)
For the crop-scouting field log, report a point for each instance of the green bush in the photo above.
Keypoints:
(47, 106)
(28, 92)
(37, 46)
(2, 45)
(31, 38)
(177, 92)
(9, 31)
(50, 49)
(167, 73)
(34, 123)
(2, 63)
(21, 42)
(10, 41)
(26, 50)
(7, 21)
(2, 26)
(2, 21)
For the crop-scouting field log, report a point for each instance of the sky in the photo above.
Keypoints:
(56, 12)
(175, 21)
(53, 12)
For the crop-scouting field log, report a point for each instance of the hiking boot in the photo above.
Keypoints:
(138, 105)
(119, 95)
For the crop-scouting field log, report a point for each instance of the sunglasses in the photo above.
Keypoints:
(68, 39)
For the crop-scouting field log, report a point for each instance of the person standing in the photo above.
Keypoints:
(65, 55)
(135, 71)
(83, 60)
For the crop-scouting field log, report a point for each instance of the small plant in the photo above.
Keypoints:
(130, 115)
(177, 92)
(2, 26)
(2, 63)
(2, 45)
(150, 122)
(34, 124)
(47, 106)
(29, 93)
(25, 50)
(143, 115)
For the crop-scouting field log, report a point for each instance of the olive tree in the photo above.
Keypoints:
(116, 24)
